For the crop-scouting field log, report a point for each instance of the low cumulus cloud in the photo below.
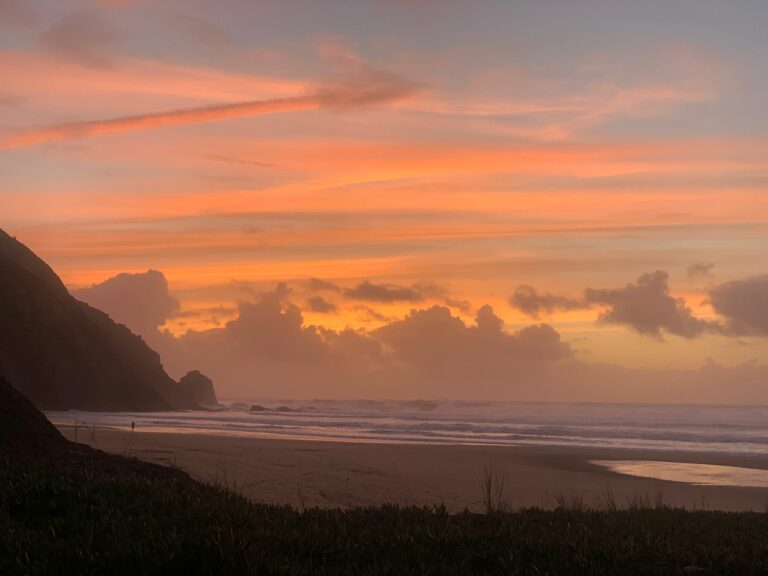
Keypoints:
(442, 348)
(533, 303)
(269, 349)
(269, 344)
(463, 306)
(321, 305)
(140, 301)
(368, 314)
(647, 307)
(700, 270)
(370, 292)
(744, 305)
(212, 315)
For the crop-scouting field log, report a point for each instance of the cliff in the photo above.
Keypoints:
(62, 354)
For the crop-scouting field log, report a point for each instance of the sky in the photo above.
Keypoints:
(404, 198)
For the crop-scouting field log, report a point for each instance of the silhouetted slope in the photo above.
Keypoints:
(26, 435)
(63, 354)
(23, 428)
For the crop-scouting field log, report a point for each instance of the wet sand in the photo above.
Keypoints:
(307, 473)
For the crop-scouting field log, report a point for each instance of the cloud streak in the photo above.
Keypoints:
(370, 292)
(196, 115)
(361, 87)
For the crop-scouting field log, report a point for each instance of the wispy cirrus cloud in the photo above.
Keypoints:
(357, 86)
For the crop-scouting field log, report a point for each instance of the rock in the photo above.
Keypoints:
(198, 388)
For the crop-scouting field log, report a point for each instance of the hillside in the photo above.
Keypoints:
(62, 354)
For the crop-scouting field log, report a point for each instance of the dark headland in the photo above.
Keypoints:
(63, 354)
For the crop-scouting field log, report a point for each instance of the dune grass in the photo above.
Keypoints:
(81, 521)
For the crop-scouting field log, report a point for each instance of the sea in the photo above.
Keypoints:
(678, 427)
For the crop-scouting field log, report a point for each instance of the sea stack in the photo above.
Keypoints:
(198, 388)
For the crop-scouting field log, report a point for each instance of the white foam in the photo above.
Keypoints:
(692, 428)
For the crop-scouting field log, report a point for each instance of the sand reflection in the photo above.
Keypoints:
(699, 474)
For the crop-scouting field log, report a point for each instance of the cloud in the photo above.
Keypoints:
(203, 312)
(273, 329)
(321, 305)
(211, 316)
(530, 302)
(200, 30)
(367, 314)
(359, 87)
(700, 269)
(317, 285)
(442, 348)
(82, 37)
(115, 3)
(371, 292)
(269, 350)
(17, 14)
(140, 301)
(744, 305)
(464, 306)
(147, 121)
(647, 307)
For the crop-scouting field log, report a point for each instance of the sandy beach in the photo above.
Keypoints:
(306, 473)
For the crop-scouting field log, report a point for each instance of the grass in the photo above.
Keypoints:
(79, 520)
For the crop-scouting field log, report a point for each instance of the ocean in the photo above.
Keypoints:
(695, 428)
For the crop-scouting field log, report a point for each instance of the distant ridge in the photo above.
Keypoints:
(62, 354)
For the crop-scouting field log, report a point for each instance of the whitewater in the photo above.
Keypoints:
(696, 428)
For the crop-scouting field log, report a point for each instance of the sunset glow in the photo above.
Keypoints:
(444, 157)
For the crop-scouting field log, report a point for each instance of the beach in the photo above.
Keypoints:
(312, 473)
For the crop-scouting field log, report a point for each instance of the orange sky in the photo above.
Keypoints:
(446, 151)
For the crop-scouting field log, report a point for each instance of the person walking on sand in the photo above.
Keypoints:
(133, 426)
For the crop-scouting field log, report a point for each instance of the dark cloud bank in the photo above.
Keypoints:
(269, 350)
(647, 307)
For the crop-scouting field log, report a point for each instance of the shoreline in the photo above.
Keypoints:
(331, 474)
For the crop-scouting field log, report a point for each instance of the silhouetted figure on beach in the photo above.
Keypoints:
(133, 426)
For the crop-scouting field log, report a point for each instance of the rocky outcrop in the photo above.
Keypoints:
(198, 388)
(62, 354)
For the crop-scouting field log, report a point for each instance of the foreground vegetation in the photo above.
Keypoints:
(86, 521)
